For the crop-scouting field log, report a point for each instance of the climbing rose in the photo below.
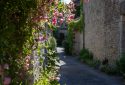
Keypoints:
(26, 66)
(27, 60)
(46, 18)
(41, 38)
(56, 2)
(7, 81)
(69, 20)
(60, 15)
(55, 13)
(71, 16)
(54, 20)
(61, 21)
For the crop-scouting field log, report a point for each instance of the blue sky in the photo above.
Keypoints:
(66, 1)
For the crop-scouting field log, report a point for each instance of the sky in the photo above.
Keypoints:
(66, 1)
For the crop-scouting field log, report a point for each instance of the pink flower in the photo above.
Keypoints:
(69, 19)
(7, 81)
(46, 18)
(41, 38)
(60, 14)
(55, 13)
(61, 21)
(27, 60)
(54, 20)
(54, 23)
(71, 16)
(26, 66)
(56, 2)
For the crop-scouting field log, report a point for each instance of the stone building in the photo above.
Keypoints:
(78, 42)
(78, 36)
(105, 28)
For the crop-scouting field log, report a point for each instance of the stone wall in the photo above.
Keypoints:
(102, 29)
(112, 29)
(78, 42)
(122, 24)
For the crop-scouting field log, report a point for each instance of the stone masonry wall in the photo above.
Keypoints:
(102, 31)
(112, 30)
(78, 42)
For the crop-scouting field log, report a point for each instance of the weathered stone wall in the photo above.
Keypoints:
(112, 29)
(78, 42)
(122, 24)
(102, 29)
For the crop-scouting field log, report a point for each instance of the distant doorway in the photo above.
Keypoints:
(61, 38)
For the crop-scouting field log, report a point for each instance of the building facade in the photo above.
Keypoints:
(105, 29)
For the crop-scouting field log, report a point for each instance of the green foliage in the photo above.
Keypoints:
(79, 9)
(68, 43)
(77, 13)
(67, 47)
(52, 58)
(74, 26)
(77, 25)
(45, 80)
(85, 55)
(52, 27)
(61, 7)
(121, 64)
(93, 63)
(17, 36)
(109, 69)
(48, 70)
(52, 43)
(81, 6)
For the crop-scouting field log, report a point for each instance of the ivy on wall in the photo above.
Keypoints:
(76, 25)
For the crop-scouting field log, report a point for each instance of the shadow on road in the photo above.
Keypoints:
(73, 72)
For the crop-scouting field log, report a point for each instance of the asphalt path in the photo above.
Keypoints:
(72, 72)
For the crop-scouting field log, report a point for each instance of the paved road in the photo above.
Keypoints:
(73, 72)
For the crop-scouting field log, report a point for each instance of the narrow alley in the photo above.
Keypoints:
(72, 72)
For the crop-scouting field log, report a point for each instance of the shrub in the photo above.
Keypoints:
(48, 71)
(47, 79)
(18, 37)
(93, 63)
(121, 64)
(67, 48)
(85, 55)
(109, 69)
(52, 43)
